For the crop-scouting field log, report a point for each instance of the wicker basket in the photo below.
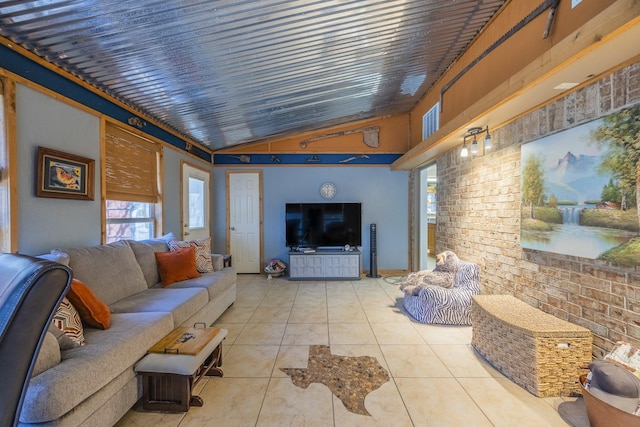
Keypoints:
(539, 352)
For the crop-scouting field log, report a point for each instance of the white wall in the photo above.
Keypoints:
(172, 178)
(45, 223)
(58, 223)
(50, 223)
(382, 192)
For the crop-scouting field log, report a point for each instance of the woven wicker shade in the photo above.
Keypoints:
(131, 166)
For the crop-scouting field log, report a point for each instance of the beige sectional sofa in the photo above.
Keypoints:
(95, 384)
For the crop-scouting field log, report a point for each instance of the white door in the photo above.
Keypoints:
(196, 190)
(244, 220)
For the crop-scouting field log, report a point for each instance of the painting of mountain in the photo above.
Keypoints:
(570, 164)
(563, 182)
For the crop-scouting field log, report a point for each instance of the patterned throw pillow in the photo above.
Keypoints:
(68, 321)
(203, 252)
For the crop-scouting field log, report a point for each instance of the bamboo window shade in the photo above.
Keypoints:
(131, 166)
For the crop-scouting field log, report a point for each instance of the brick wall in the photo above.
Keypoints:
(479, 218)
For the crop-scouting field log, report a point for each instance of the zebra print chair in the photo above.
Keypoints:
(447, 306)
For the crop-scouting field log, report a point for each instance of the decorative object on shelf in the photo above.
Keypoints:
(137, 122)
(64, 176)
(275, 268)
(370, 136)
(243, 158)
(352, 158)
(473, 133)
(328, 190)
(313, 159)
(275, 159)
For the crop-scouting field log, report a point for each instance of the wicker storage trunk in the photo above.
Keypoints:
(539, 352)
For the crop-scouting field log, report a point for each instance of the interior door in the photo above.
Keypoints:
(244, 220)
(196, 190)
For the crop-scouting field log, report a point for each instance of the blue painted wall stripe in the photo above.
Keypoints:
(31, 70)
(305, 159)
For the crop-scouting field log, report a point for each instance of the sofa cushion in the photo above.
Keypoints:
(176, 266)
(87, 369)
(92, 310)
(181, 303)
(202, 254)
(49, 355)
(215, 283)
(111, 271)
(144, 252)
(67, 319)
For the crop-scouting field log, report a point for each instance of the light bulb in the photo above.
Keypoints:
(488, 143)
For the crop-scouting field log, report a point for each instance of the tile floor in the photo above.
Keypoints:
(436, 378)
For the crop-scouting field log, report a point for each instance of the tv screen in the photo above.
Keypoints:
(323, 224)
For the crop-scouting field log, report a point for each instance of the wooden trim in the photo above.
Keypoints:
(159, 208)
(9, 218)
(103, 181)
(612, 24)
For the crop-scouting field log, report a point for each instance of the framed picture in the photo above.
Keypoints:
(64, 176)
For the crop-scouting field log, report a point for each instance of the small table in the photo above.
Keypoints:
(173, 367)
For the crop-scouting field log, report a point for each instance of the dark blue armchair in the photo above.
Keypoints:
(30, 291)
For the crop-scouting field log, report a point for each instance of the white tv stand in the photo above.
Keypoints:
(324, 264)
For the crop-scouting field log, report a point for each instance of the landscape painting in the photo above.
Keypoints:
(579, 190)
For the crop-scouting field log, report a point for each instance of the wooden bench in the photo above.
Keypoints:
(538, 351)
(173, 367)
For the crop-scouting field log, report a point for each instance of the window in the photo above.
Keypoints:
(430, 121)
(129, 220)
(133, 196)
(196, 202)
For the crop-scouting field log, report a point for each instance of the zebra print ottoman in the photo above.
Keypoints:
(447, 306)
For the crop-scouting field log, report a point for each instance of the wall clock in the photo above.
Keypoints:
(328, 190)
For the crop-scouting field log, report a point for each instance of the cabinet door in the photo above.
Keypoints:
(333, 265)
(297, 266)
(351, 266)
(315, 266)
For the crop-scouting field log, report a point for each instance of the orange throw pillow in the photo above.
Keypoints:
(92, 310)
(175, 266)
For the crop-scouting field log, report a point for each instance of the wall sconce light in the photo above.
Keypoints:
(473, 133)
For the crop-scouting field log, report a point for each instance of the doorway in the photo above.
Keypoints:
(427, 215)
(244, 220)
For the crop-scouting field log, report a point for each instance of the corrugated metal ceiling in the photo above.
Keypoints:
(231, 72)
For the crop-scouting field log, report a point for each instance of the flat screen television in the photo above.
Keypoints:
(323, 224)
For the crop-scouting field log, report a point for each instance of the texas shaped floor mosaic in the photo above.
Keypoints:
(350, 378)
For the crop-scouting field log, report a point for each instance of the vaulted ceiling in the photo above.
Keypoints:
(231, 72)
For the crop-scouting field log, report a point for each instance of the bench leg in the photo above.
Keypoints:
(196, 401)
(214, 362)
